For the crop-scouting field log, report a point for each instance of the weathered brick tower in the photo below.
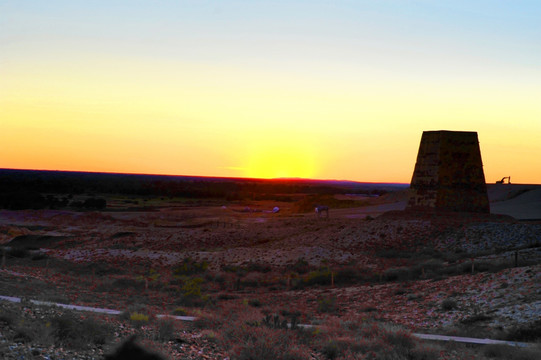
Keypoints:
(449, 174)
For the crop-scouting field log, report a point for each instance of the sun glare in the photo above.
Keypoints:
(271, 163)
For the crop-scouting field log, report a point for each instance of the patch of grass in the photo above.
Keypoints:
(139, 319)
(136, 308)
(179, 311)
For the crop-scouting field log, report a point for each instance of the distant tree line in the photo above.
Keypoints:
(24, 188)
(21, 200)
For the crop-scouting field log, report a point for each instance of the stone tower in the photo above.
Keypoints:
(449, 174)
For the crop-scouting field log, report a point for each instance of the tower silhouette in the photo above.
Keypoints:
(449, 173)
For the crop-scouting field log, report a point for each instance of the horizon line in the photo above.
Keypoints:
(206, 176)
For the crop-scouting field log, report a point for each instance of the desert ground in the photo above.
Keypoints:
(239, 262)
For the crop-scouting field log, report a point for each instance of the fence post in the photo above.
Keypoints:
(472, 265)
(516, 258)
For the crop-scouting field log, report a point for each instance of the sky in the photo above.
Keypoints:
(312, 89)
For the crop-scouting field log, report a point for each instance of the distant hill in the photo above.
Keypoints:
(39, 182)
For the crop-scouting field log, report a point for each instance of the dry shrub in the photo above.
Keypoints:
(190, 267)
(327, 305)
(180, 311)
(397, 274)
(207, 321)
(525, 332)
(358, 339)
(165, 329)
(448, 304)
(72, 330)
(246, 343)
(58, 328)
(134, 308)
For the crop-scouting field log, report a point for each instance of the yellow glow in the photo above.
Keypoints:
(275, 160)
(195, 120)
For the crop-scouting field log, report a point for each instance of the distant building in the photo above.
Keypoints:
(449, 173)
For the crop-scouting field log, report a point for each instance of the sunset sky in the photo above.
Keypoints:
(314, 89)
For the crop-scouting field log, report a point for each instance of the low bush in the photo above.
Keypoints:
(135, 308)
(179, 311)
(8, 316)
(496, 351)
(448, 304)
(165, 329)
(400, 339)
(254, 302)
(327, 305)
(333, 348)
(18, 253)
(126, 283)
(248, 343)
(301, 266)
(475, 319)
(530, 332)
(39, 256)
(191, 294)
(190, 267)
(258, 267)
(322, 276)
(67, 329)
(397, 274)
(350, 275)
